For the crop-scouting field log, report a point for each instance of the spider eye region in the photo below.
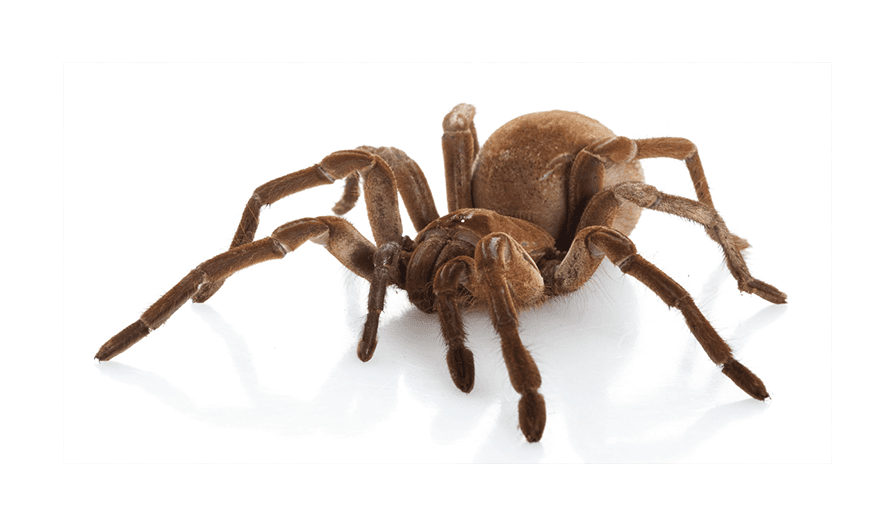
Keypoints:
(461, 218)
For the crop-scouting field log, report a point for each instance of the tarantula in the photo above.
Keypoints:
(532, 214)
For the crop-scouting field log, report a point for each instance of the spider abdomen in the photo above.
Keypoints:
(523, 170)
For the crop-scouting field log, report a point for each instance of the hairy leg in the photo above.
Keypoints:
(339, 237)
(412, 185)
(592, 244)
(350, 194)
(648, 197)
(385, 271)
(506, 276)
(380, 192)
(460, 146)
(624, 150)
(678, 148)
(446, 287)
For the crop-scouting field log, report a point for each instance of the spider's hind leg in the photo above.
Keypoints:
(648, 197)
(624, 150)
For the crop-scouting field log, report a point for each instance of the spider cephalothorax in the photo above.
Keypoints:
(532, 214)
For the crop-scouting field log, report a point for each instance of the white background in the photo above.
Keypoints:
(44, 481)
(161, 158)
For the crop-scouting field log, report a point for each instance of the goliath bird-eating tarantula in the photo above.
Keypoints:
(531, 215)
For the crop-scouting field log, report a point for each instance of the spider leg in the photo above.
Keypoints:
(624, 150)
(339, 237)
(648, 197)
(621, 149)
(349, 195)
(380, 182)
(684, 149)
(505, 276)
(460, 145)
(412, 185)
(446, 287)
(593, 243)
(385, 271)
(678, 148)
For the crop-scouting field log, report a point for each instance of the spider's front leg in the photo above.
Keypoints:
(593, 159)
(505, 276)
(446, 288)
(500, 276)
(336, 234)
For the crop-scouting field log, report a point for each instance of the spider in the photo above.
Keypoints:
(532, 214)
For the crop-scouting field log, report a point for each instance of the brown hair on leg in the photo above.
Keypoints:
(460, 361)
(385, 263)
(460, 145)
(350, 194)
(622, 252)
(648, 197)
(503, 277)
(683, 149)
(339, 237)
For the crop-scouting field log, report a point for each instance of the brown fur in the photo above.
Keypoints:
(532, 214)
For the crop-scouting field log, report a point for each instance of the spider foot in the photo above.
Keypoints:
(745, 379)
(126, 338)
(462, 367)
(369, 338)
(366, 347)
(532, 415)
(766, 291)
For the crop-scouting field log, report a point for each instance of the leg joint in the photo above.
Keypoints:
(449, 276)
(616, 149)
(324, 174)
(279, 247)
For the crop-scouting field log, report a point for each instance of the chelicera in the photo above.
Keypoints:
(531, 215)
